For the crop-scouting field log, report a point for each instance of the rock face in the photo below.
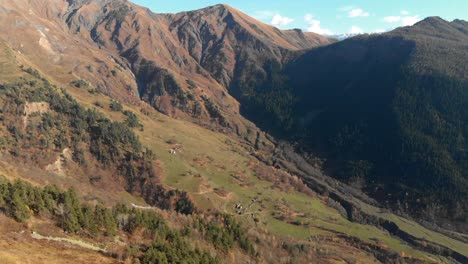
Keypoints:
(33, 108)
(185, 65)
(36, 107)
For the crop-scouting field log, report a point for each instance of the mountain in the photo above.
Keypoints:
(127, 136)
(182, 64)
(388, 113)
(222, 39)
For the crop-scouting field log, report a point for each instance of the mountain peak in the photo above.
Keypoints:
(432, 21)
(436, 26)
(219, 8)
(224, 6)
(460, 22)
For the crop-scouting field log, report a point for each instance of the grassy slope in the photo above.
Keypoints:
(230, 158)
(226, 159)
(8, 66)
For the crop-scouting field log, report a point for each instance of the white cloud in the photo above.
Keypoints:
(405, 20)
(378, 31)
(308, 17)
(392, 19)
(410, 20)
(281, 21)
(404, 12)
(357, 12)
(314, 26)
(273, 17)
(355, 30)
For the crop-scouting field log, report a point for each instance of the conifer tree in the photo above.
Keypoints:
(18, 208)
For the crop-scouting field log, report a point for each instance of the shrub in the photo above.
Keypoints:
(132, 119)
(79, 84)
(116, 106)
(191, 84)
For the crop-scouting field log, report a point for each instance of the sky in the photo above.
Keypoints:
(328, 17)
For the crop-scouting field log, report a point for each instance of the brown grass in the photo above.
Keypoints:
(17, 246)
(281, 179)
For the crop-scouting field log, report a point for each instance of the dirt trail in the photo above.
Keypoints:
(79, 243)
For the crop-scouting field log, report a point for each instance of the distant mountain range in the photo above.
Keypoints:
(344, 36)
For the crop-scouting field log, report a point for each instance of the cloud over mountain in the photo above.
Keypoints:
(314, 25)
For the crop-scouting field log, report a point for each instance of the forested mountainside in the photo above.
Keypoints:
(388, 113)
(129, 136)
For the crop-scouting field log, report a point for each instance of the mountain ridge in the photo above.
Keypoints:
(163, 51)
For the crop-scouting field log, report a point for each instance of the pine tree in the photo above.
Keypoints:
(3, 192)
(18, 209)
(72, 211)
(36, 201)
(88, 221)
(110, 223)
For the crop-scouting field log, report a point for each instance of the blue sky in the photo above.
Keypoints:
(329, 16)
